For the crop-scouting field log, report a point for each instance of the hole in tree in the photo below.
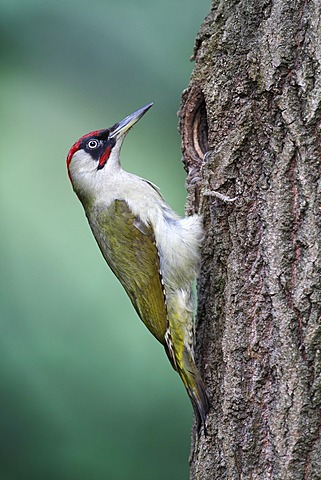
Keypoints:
(200, 129)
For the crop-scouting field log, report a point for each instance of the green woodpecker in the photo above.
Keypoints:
(152, 251)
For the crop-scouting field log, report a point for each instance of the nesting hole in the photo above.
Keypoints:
(194, 128)
(200, 129)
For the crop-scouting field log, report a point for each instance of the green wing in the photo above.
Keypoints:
(129, 248)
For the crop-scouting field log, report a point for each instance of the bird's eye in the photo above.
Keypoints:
(93, 143)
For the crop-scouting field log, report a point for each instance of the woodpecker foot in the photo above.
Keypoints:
(221, 196)
(214, 193)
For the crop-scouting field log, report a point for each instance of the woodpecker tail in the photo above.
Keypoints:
(178, 345)
(195, 388)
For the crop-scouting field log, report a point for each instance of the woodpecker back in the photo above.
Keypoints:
(152, 251)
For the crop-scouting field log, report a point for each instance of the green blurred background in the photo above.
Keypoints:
(86, 391)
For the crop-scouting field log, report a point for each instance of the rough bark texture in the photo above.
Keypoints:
(254, 103)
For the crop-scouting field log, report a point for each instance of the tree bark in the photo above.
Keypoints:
(253, 106)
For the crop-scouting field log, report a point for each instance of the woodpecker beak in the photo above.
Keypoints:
(121, 128)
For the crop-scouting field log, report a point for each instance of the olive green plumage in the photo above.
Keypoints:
(118, 230)
(138, 270)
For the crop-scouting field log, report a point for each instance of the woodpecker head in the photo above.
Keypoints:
(98, 152)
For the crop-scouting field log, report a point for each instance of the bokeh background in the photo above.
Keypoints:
(86, 391)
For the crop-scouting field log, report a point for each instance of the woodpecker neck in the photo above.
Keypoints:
(113, 165)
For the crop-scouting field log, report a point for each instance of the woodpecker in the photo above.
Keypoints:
(153, 252)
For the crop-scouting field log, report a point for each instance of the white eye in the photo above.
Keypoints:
(93, 143)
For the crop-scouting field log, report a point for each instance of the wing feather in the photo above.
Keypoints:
(129, 247)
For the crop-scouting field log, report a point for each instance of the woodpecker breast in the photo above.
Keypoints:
(177, 239)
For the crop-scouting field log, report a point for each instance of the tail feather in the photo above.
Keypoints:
(178, 343)
(195, 388)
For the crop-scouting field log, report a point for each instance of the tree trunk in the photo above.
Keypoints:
(254, 104)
